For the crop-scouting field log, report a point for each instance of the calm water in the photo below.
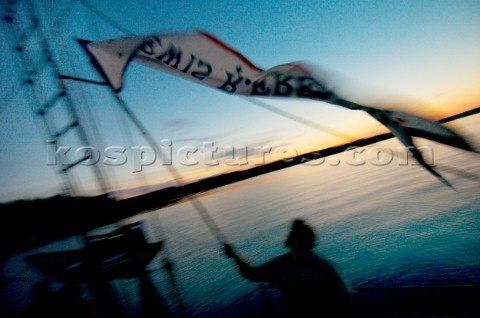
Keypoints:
(391, 225)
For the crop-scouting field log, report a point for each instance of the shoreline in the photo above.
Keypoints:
(48, 219)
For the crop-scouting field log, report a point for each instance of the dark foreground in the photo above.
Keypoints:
(87, 277)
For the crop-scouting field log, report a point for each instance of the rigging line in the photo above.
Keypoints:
(62, 18)
(202, 211)
(11, 91)
(104, 17)
(459, 172)
(31, 95)
(97, 29)
(9, 96)
(91, 119)
(168, 265)
(63, 15)
(68, 100)
(88, 114)
(81, 79)
(300, 119)
(127, 133)
(129, 137)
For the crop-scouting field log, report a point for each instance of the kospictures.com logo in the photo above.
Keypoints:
(208, 154)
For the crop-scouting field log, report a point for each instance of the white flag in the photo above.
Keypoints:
(200, 57)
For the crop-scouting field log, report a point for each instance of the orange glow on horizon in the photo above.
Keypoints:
(358, 128)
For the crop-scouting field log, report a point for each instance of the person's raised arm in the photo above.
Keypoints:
(247, 271)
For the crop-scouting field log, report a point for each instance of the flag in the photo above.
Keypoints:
(399, 127)
(421, 127)
(202, 58)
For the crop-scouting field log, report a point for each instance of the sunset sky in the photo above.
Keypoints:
(421, 57)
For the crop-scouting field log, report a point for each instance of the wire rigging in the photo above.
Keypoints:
(127, 133)
(168, 265)
(68, 101)
(105, 17)
(213, 227)
(200, 208)
(31, 94)
(203, 212)
(298, 119)
(10, 95)
(63, 17)
(12, 91)
(264, 105)
(54, 36)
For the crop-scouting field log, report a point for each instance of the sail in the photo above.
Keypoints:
(200, 57)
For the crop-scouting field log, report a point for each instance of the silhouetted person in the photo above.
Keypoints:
(310, 285)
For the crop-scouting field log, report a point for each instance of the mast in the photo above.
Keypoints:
(46, 91)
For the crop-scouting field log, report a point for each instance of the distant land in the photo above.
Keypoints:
(30, 223)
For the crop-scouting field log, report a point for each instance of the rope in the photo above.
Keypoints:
(31, 94)
(299, 119)
(9, 96)
(45, 44)
(303, 121)
(127, 133)
(202, 211)
(63, 15)
(106, 18)
(78, 79)
(13, 90)
(63, 18)
(459, 172)
(213, 227)
(169, 267)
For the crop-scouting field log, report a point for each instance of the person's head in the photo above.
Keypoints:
(301, 236)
